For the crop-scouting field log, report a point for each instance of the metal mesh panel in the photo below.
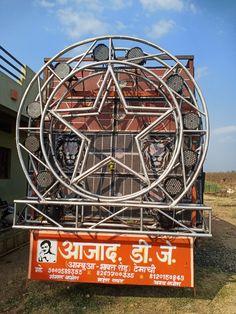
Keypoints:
(191, 121)
(44, 179)
(62, 70)
(135, 53)
(175, 82)
(32, 143)
(190, 158)
(34, 110)
(173, 186)
(101, 52)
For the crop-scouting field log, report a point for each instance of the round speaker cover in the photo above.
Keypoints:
(191, 121)
(175, 82)
(32, 143)
(173, 186)
(101, 52)
(44, 179)
(62, 70)
(135, 53)
(34, 110)
(190, 158)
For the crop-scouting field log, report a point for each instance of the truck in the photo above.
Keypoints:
(115, 143)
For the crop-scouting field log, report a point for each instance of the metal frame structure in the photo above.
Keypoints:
(142, 80)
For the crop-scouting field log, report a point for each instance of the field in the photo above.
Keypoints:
(225, 179)
(220, 181)
(215, 275)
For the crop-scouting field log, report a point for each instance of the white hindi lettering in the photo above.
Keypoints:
(103, 250)
(144, 269)
(108, 267)
(139, 253)
(97, 251)
(166, 256)
(74, 249)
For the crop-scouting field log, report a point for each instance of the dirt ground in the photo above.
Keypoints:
(215, 275)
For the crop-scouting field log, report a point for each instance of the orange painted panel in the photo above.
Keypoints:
(111, 259)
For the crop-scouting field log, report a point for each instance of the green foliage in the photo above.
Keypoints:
(211, 187)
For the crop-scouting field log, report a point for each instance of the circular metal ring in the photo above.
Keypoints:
(192, 105)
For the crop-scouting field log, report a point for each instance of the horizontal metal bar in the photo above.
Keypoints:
(118, 204)
(106, 225)
(163, 57)
(28, 128)
(112, 231)
(194, 131)
(111, 225)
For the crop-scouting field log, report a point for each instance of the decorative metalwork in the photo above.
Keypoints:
(117, 139)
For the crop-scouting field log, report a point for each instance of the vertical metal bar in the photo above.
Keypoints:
(14, 215)
(40, 95)
(110, 47)
(76, 216)
(82, 213)
(141, 219)
(26, 213)
(183, 165)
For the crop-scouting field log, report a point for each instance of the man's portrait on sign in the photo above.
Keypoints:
(47, 250)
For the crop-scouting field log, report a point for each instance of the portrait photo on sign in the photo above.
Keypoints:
(47, 251)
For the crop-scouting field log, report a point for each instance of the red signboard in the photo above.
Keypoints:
(111, 259)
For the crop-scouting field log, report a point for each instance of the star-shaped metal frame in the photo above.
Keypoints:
(109, 75)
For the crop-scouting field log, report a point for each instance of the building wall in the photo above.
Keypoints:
(14, 186)
(7, 85)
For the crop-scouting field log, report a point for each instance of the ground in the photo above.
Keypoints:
(215, 275)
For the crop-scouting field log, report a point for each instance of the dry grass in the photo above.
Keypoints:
(225, 179)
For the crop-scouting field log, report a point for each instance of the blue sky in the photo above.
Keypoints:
(34, 29)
